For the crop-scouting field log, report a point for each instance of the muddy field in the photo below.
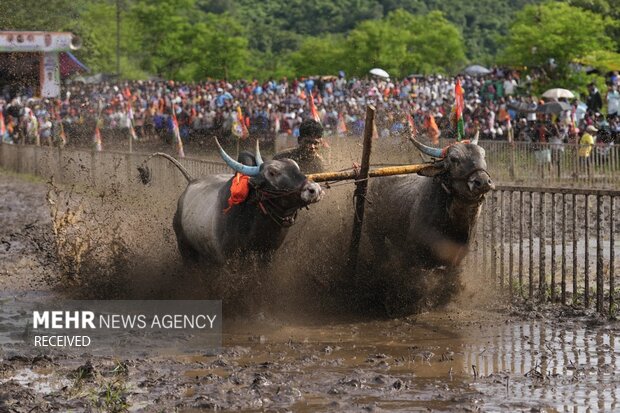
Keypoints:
(296, 337)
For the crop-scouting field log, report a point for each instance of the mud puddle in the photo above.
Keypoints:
(457, 359)
(451, 360)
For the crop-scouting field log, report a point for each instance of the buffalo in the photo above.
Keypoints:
(429, 217)
(211, 228)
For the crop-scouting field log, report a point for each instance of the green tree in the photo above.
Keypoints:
(555, 31)
(219, 48)
(319, 55)
(403, 43)
(166, 33)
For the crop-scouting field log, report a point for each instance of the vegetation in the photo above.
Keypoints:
(198, 39)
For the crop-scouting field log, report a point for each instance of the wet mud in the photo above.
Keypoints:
(298, 337)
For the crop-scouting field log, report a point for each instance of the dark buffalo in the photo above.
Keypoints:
(258, 225)
(429, 217)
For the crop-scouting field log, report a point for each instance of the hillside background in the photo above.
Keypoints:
(198, 39)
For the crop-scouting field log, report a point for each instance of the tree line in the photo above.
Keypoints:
(198, 39)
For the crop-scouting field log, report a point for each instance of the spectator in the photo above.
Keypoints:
(595, 102)
(585, 148)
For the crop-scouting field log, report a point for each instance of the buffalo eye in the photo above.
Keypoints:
(455, 160)
(273, 173)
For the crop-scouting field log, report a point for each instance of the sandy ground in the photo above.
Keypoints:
(473, 355)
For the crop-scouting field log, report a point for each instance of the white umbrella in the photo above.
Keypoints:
(558, 94)
(379, 72)
(476, 70)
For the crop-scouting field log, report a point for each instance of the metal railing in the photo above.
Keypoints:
(99, 169)
(551, 244)
(515, 163)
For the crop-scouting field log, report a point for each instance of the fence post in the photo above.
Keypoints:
(599, 256)
(575, 261)
(611, 257)
(521, 211)
(531, 249)
(564, 218)
(541, 250)
(586, 269)
(553, 269)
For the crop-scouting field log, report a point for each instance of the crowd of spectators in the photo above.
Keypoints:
(499, 105)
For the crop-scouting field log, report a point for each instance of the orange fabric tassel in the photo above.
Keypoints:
(239, 190)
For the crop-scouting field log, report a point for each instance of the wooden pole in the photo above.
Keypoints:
(386, 171)
(360, 190)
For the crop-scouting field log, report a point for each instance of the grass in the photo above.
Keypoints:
(23, 176)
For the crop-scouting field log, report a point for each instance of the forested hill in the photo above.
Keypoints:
(232, 39)
(278, 25)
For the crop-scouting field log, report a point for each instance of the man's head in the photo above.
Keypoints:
(310, 136)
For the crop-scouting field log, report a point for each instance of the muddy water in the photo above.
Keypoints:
(457, 359)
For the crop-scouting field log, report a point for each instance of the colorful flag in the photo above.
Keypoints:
(2, 125)
(177, 133)
(342, 125)
(97, 137)
(62, 134)
(130, 117)
(239, 129)
(313, 112)
(459, 104)
(412, 128)
(431, 128)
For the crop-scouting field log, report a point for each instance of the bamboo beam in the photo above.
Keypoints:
(386, 171)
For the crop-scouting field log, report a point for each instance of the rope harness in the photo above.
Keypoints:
(445, 178)
(265, 201)
(284, 217)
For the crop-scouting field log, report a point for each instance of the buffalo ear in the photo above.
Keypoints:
(432, 170)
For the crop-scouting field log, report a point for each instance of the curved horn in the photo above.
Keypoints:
(430, 151)
(474, 140)
(259, 159)
(237, 166)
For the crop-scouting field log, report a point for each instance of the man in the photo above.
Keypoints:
(306, 154)
(595, 101)
(613, 102)
(586, 143)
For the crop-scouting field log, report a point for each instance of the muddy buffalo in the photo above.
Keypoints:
(213, 224)
(429, 217)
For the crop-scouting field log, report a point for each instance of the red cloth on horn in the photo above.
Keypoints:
(239, 190)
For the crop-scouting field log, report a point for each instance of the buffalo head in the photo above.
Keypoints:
(461, 167)
(281, 188)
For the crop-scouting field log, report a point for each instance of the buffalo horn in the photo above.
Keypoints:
(237, 166)
(430, 151)
(474, 140)
(259, 159)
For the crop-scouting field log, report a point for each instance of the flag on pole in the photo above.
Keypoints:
(177, 133)
(313, 112)
(459, 103)
(239, 129)
(412, 128)
(62, 134)
(342, 125)
(130, 117)
(431, 128)
(2, 125)
(97, 137)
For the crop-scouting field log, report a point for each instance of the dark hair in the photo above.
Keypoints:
(247, 158)
(310, 128)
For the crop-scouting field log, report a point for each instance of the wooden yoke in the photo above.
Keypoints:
(386, 171)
